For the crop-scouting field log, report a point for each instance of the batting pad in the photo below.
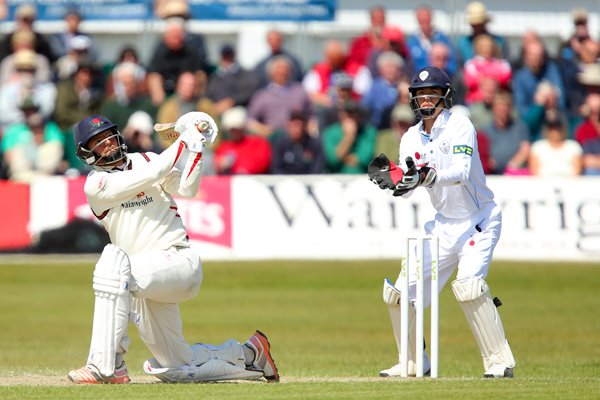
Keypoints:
(112, 278)
(231, 351)
(473, 294)
(210, 364)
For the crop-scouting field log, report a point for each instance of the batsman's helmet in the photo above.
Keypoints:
(90, 127)
(430, 77)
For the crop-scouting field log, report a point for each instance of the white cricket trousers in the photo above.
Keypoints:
(466, 243)
(164, 278)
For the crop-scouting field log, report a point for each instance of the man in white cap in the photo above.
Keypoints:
(25, 85)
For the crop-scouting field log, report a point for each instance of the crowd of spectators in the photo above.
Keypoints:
(536, 114)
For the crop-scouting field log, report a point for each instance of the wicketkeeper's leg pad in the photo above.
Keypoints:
(210, 364)
(112, 284)
(391, 296)
(473, 294)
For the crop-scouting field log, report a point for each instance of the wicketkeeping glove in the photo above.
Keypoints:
(384, 173)
(413, 177)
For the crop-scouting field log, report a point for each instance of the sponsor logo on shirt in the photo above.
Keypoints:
(463, 149)
(138, 203)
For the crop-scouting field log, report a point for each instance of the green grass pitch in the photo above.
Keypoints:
(329, 330)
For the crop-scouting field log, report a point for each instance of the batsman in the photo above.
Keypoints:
(440, 154)
(150, 267)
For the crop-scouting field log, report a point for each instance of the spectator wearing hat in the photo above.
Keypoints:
(64, 42)
(180, 10)
(349, 144)
(589, 78)
(14, 93)
(34, 147)
(173, 55)
(383, 94)
(231, 85)
(128, 96)
(420, 43)
(187, 98)
(296, 151)
(25, 16)
(378, 38)
(478, 18)
(275, 42)
(555, 155)
(319, 82)
(78, 50)
(23, 39)
(270, 107)
(241, 153)
(402, 117)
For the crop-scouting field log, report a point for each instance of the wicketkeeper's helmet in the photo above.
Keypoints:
(90, 127)
(430, 77)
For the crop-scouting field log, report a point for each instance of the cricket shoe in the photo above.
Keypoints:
(89, 375)
(263, 361)
(499, 371)
(396, 371)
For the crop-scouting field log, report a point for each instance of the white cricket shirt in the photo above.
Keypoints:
(460, 188)
(136, 206)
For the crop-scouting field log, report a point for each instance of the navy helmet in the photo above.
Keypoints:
(430, 77)
(90, 127)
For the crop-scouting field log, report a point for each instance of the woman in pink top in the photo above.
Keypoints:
(485, 64)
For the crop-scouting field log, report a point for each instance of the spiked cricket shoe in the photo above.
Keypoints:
(89, 375)
(263, 361)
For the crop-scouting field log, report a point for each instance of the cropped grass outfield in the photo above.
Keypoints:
(328, 326)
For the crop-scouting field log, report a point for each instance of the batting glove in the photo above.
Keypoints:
(192, 140)
(204, 125)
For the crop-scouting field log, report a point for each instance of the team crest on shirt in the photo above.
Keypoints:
(445, 147)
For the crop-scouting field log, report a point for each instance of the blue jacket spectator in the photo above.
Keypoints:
(275, 42)
(419, 43)
(537, 68)
(383, 94)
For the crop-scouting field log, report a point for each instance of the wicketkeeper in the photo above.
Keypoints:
(149, 267)
(440, 154)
